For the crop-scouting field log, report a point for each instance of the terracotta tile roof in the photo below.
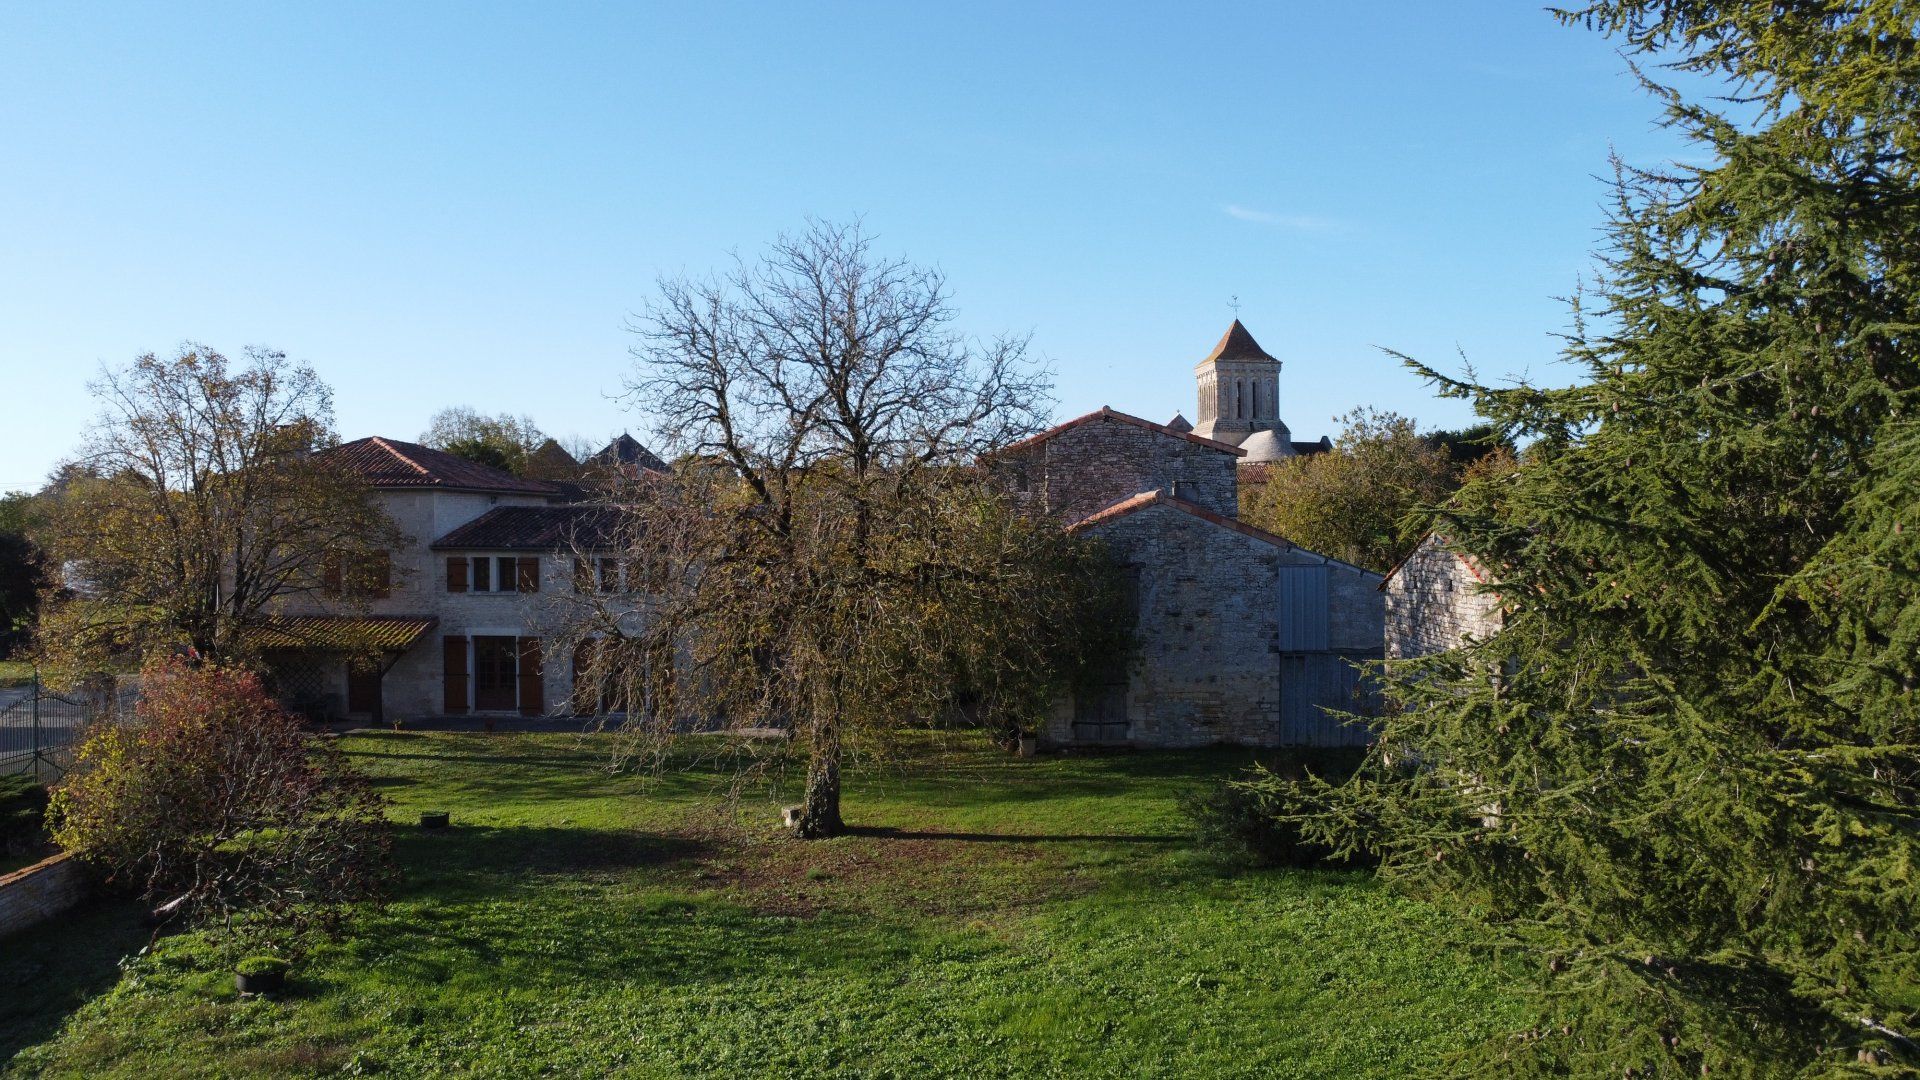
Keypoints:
(1158, 496)
(391, 463)
(1106, 413)
(535, 528)
(343, 633)
(1237, 344)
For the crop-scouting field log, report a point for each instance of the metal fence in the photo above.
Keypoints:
(39, 727)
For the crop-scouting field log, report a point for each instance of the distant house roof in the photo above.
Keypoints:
(391, 463)
(627, 450)
(1119, 417)
(1159, 497)
(1238, 344)
(1179, 423)
(342, 633)
(536, 528)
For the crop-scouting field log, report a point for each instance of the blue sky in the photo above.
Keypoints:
(460, 204)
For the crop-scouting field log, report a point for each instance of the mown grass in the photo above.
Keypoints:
(993, 917)
(15, 672)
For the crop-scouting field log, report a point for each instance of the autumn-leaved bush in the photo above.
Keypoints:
(218, 801)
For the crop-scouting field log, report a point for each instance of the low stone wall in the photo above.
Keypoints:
(39, 892)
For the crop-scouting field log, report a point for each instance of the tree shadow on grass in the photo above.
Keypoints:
(886, 832)
(50, 970)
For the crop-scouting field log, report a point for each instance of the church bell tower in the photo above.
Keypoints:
(1239, 389)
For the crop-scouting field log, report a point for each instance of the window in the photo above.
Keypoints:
(364, 574)
(493, 573)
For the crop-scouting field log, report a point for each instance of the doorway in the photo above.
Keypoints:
(495, 673)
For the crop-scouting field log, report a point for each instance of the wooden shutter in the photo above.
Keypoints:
(528, 578)
(582, 576)
(454, 664)
(585, 701)
(456, 573)
(533, 698)
(332, 569)
(609, 575)
(380, 576)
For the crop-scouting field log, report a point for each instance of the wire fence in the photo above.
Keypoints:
(40, 727)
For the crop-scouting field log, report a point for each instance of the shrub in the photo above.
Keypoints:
(23, 805)
(1266, 817)
(218, 803)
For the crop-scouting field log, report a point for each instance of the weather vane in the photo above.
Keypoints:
(1234, 303)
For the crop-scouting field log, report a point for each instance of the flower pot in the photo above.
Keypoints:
(434, 819)
(266, 982)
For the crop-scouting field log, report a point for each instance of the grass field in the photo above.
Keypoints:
(993, 917)
(15, 673)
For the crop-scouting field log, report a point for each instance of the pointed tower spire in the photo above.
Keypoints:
(1239, 384)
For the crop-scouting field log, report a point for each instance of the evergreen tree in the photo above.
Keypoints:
(1683, 776)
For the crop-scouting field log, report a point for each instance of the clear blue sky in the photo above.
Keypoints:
(460, 204)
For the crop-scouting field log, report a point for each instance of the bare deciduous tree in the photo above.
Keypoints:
(198, 502)
(826, 561)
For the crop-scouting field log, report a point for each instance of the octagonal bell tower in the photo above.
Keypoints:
(1239, 387)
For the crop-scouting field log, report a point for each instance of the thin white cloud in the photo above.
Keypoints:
(1296, 222)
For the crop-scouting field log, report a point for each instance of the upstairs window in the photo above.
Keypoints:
(365, 575)
(493, 573)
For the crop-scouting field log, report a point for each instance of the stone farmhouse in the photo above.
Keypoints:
(1243, 636)
(461, 620)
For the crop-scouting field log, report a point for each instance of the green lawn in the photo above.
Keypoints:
(15, 672)
(995, 917)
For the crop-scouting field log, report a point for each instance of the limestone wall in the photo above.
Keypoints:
(42, 891)
(1434, 602)
(1091, 467)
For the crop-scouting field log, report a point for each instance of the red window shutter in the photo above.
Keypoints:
(456, 573)
(528, 578)
(582, 576)
(332, 569)
(454, 664)
(533, 698)
(609, 575)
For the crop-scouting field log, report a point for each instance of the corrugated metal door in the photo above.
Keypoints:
(1303, 609)
(1311, 684)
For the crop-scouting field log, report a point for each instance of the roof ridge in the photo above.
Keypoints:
(1133, 503)
(1108, 412)
(395, 451)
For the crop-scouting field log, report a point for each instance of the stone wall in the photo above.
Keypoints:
(1209, 660)
(1434, 602)
(42, 891)
(1090, 467)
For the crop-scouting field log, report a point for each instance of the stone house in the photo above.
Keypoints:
(463, 621)
(1242, 636)
(1437, 599)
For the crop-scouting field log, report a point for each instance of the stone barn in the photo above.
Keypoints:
(1243, 636)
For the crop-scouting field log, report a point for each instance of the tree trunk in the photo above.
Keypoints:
(820, 812)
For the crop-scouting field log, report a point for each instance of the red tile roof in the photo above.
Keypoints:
(390, 463)
(1237, 344)
(536, 528)
(1106, 413)
(1158, 496)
